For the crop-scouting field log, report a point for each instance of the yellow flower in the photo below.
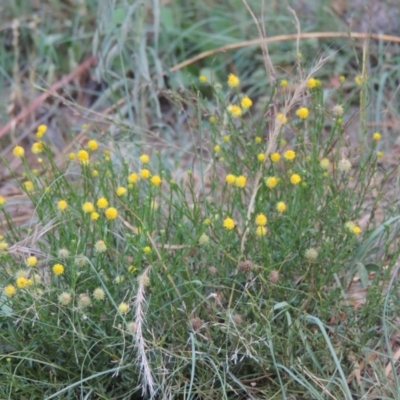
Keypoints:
(261, 157)
(102, 202)
(87, 207)
(284, 82)
(83, 156)
(28, 186)
(212, 119)
(236, 111)
(92, 145)
(62, 205)
(111, 213)
(358, 80)
(144, 159)
(281, 207)
(271, 182)
(156, 180)
(202, 79)
(246, 102)
(123, 308)
(312, 83)
(10, 290)
(295, 179)
(258, 139)
(377, 136)
(18, 151)
(324, 163)
(207, 221)
(144, 173)
(3, 246)
(240, 181)
(341, 78)
(120, 191)
(229, 223)
(37, 147)
(226, 138)
(230, 179)
(289, 155)
(95, 173)
(261, 231)
(283, 142)
(356, 230)
(233, 80)
(217, 148)
(31, 261)
(41, 130)
(302, 112)
(261, 220)
(58, 269)
(133, 177)
(147, 250)
(94, 216)
(72, 156)
(22, 282)
(275, 157)
(2, 201)
(281, 118)
(379, 154)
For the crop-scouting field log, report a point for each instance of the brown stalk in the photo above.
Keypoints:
(284, 38)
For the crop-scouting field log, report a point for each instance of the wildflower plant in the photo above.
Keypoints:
(134, 268)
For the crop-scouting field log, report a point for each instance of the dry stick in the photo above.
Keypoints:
(283, 38)
(40, 99)
(298, 54)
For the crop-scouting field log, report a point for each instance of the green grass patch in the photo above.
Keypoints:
(219, 235)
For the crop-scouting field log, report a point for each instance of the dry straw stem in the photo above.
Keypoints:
(140, 301)
(28, 246)
(269, 67)
(284, 38)
(300, 70)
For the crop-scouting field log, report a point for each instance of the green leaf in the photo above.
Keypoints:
(118, 16)
(363, 274)
(372, 267)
